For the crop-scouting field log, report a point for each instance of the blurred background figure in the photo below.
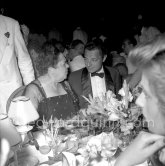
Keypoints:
(80, 34)
(60, 46)
(150, 145)
(119, 63)
(148, 34)
(127, 45)
(15, 63)
(35, 51)
(39, 38)
(103, 38)
(55, 34)
(75, 55)
(134, 74)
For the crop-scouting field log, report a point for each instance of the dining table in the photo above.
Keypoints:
(29, 155)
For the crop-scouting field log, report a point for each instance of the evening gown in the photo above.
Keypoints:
(60, 107)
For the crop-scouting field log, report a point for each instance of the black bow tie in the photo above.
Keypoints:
(101, 75)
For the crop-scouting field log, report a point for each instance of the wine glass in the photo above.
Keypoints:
(23, 130)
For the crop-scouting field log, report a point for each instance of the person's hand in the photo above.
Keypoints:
(140, 149)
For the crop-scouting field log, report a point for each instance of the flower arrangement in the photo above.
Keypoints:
(123, 113)
(108, 105)
(58, 143)
(102, 146)
(50, 130)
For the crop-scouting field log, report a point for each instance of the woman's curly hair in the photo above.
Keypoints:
(47, 58)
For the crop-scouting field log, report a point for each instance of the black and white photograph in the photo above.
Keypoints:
(82, 83)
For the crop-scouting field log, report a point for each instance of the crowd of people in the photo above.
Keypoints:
(57, 75)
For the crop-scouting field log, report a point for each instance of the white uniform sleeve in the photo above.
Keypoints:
(24, 60)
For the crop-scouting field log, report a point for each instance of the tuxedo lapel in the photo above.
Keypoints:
(3, 38)
(86, 83)
(108, 80)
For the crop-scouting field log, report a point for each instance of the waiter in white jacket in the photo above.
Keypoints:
(15, 63)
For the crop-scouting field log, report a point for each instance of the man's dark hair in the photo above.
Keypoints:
(96, 44)
(75, 43)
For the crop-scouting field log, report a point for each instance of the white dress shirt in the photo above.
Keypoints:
(98, 85)
(77, 63)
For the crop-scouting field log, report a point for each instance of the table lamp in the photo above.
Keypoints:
(8, 130)
(22, 112)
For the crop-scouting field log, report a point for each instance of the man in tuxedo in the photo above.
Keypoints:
(15, 63)
(95, 78)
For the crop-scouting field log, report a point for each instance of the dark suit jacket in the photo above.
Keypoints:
(81, 83)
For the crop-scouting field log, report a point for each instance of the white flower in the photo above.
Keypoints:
(126, 128)
(94, 144)
(112, 104)
(109, 140)
(110, 94)
(113, 117)
(122, 93)
(103, 144)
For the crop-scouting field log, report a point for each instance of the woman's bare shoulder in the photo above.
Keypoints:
(32, 89)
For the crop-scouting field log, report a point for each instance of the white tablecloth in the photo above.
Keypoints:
(30, 150)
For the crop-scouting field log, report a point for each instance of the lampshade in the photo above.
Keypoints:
(8, 130)
(22, 111)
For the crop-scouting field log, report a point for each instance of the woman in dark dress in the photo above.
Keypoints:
(150, 58)
(51, 94)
